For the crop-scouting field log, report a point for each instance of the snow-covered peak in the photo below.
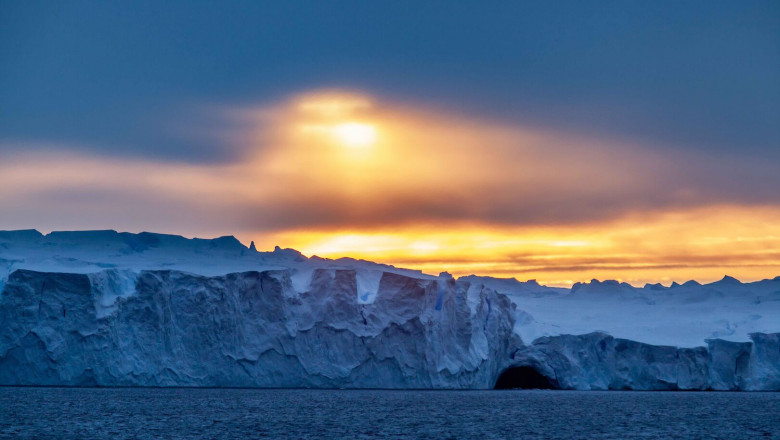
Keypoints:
(514, 287)
(596, 288)
(22, 235)
(726, 281)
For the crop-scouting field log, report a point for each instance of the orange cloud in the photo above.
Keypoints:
(421, 165)
(702, 244)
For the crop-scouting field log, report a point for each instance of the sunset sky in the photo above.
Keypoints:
(558, 141)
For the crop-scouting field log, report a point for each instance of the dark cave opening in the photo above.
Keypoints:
(527, 378)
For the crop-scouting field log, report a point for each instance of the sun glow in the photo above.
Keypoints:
(636, 248)
(344, 175)
(354, 134)
(336, 119)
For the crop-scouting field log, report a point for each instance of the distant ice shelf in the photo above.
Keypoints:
(110, 308)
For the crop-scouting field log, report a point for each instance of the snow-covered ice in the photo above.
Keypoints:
(109, 308)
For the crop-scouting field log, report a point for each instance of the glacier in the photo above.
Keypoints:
(104, 308)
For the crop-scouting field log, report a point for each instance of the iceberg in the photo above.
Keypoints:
(104, 308)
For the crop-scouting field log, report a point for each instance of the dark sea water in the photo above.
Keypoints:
(149, 413)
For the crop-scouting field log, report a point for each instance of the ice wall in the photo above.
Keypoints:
(597, 361)
(250, 329)
(114, 308)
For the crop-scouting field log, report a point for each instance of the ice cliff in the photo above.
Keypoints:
(597, 361)
(108, 308)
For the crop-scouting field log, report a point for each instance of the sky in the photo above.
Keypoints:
(558, 141)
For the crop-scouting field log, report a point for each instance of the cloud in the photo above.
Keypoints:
(420, 165)
(693, 243)
(429, 188)
(434, 166)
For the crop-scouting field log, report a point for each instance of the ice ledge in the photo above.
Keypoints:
(246, 329)
(598, 361)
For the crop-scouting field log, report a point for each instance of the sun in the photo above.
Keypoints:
(355, 134)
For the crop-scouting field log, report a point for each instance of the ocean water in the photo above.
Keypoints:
(181, 413)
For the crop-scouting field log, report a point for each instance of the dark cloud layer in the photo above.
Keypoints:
(120, 79)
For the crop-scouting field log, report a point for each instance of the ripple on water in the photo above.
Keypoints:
(152, 413)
